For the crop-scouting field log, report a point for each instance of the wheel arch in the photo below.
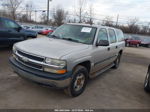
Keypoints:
(86, 64)
(120, 52)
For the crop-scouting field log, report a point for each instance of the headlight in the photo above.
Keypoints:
(55, 66)
(14, 49)
(59, 64)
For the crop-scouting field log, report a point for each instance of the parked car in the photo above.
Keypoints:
(133, 41)
(147, 81)
(30, 33)
(25, 26)
(46, 31)
(37, 29)
(146, 42)
(10, 32)
(70, 56)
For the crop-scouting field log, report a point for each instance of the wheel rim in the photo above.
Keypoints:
(146, 79)
(79, 82)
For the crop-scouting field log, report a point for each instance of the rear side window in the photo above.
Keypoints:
(120, 35)
(112, 36)
(102, 34)
(9, 24)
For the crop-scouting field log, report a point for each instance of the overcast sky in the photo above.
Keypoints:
(125, 8)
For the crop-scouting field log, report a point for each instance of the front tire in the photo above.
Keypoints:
(79, 81)
(147, 82)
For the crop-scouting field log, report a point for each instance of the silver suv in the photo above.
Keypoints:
(69, 56)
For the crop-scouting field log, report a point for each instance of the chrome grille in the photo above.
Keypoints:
(30, 56)
(29, 60)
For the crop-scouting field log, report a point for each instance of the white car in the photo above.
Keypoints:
(38, 29)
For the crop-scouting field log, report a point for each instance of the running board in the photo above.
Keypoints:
(101, 71)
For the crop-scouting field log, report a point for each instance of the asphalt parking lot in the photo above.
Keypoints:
(121, 88)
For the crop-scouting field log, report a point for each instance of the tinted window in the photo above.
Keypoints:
(9, 24)
(120, 35)
(102, 35)
(112, 36)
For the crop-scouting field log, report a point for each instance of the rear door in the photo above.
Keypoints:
(121, 40)
(113, 44)
(11, 31)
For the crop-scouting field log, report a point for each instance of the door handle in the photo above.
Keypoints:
(108, 48)
(116, 47)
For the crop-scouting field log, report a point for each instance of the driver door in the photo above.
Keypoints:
(101, 54)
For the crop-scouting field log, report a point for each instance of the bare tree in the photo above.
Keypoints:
(91, 15)
(12, 6)
(108, 21)
(81, 10)
(132, 25)
(59, 16)
(29, 10)
(44, 17)
(144, 30)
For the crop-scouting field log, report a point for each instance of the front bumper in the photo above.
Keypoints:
(49, 79)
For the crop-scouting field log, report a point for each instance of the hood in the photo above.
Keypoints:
(49, 47)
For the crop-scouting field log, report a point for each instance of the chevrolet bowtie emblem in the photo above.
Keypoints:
(25, 59)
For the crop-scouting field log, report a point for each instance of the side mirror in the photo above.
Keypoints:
(18, 29)
(102, 43)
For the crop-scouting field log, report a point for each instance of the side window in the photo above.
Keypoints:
(120, 35)
(9, 24)
(112, 36)
(102, 35)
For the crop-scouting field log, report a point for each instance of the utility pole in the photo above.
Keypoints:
(117, 20)
(48, 10)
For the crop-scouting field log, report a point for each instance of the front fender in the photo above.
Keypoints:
(78, 61)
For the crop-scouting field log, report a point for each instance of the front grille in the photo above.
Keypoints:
(20, 54)
(30, 56)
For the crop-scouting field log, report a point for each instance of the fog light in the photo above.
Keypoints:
(62, 71)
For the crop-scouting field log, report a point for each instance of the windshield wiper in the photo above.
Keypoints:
(70, 39)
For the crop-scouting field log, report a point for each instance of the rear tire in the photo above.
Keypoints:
(79, 82)
(117, 61)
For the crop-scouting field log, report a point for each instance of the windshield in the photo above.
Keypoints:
(75, 33)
